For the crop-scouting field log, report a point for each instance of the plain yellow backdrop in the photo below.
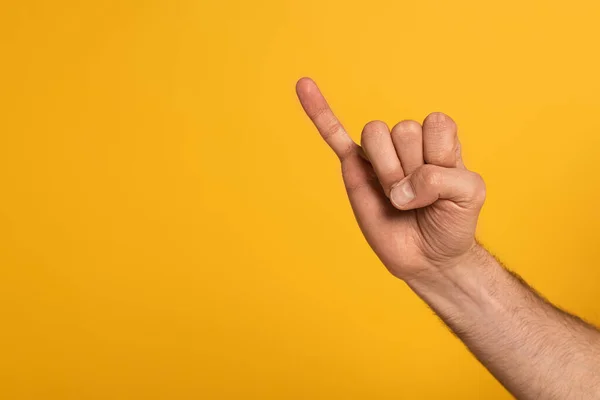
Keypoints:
(172, 227)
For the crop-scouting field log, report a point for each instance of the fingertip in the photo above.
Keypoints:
(407, 127)
(376, 125)
(438, 119)
(305, 85)
(439, 140)
(402, 194)
(374, 130)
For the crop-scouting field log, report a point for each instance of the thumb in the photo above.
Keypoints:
(429, 183)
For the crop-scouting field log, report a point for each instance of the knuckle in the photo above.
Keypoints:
(319, 112)
(433, 179)
(330, 128)
(478, 188)
(431, 176)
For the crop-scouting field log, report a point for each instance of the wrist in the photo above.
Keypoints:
(434, 273)
(467, 281)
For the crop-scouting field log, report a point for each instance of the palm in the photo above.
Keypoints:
(430, 228)
(401, 239)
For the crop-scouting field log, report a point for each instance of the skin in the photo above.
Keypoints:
(417, 206)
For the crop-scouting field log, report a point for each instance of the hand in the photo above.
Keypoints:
(414, 200)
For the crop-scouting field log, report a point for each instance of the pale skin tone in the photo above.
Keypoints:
(417, 205)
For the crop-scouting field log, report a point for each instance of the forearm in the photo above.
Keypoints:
(533, 349)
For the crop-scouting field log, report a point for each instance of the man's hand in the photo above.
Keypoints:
(417, 205)
(414, 200)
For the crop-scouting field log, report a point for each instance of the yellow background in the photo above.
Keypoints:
(172, 226)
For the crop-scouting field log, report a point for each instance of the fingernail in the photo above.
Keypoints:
(402, 194)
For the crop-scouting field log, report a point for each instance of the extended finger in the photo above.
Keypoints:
(326, 122)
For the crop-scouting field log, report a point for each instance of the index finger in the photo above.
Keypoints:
(327, 124)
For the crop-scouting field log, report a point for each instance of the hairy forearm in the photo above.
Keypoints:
(534, 349)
